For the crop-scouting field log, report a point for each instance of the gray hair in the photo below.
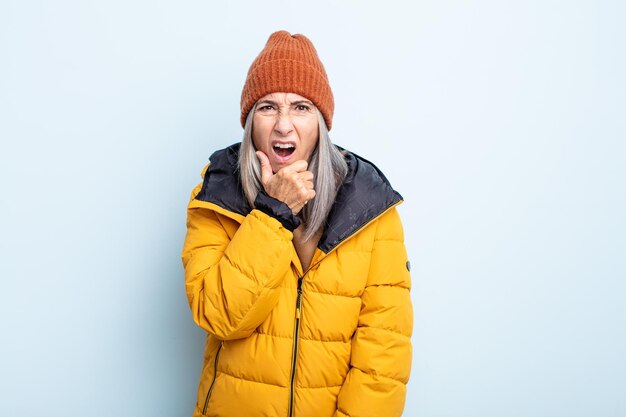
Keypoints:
(327, 164)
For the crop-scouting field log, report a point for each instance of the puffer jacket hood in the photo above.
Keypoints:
(332, 340)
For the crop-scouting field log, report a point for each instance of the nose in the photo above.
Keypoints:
(283, 124)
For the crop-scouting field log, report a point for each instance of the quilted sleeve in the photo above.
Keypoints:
(232, 285)
(380, 363)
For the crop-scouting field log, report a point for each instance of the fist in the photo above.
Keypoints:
(293, 184)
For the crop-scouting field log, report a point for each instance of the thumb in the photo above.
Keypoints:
(266, 168)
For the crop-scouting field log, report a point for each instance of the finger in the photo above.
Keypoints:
(307, 200)
(304, 198)
(298, 166)
(266, 167)
(304, 195)
(306, 176)
(308, 185)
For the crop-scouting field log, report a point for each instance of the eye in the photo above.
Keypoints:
(303, 107)
(267, 107)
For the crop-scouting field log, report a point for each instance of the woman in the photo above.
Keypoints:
(294, 259)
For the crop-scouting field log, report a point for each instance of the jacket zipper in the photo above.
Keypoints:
(208, 395)
(295, 345)
(299, 311)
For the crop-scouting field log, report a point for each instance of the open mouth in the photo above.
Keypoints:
(284, 150)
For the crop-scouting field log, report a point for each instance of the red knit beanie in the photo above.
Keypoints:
(288, 64)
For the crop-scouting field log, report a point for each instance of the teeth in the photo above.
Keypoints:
(284, 145)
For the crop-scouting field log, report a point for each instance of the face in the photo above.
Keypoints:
(285, 128)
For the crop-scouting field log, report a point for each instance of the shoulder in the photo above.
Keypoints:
(221, 184)
(365, 176)
(371, 180)
(362, 168)
(362, 198)
(225, 158)
(222, 158)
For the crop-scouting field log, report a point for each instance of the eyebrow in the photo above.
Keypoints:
(302, 101)
(272, 102)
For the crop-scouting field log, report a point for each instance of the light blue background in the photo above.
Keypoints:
(501, 123)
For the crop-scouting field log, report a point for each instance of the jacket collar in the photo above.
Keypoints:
(365, 194)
